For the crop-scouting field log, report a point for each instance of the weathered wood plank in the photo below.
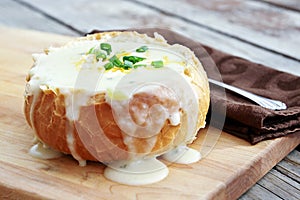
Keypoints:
(129, 14)
(290, 166)
(281, 185)
(15, 15)
(266, 26)
(294, 157)
(258, 192)
(290, 4)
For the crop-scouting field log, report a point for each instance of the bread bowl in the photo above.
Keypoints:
(116, 96)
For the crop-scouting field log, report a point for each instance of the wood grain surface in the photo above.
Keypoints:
(288, 4)
(127, 14)
(228, 15)
(23, 17)
(226, 172)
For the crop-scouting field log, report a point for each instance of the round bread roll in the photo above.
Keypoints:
(116, 96)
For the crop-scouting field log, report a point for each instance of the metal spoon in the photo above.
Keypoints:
(262, 101)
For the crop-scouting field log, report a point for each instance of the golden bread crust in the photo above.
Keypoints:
(51, 124)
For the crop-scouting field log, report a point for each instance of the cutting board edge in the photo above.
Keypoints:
(261, 168)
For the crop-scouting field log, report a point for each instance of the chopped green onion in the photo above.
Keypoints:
(108, 66)
(90, 51)
(142, 49)
(100, 55)
(157, 63)
(106, 47)
(127, 64)
(139, 65)
(116, 61)
(133, 59)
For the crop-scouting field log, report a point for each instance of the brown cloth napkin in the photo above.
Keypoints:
(244, 118)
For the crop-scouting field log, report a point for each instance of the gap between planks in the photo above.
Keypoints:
(15, 15)
(290, 166)
(281, 185)
(292, 5)
(29, 6)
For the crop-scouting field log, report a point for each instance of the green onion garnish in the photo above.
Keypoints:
(116, 61)
(90, 51)
(106, 47)
(157, 63)
(133, 59)
(100, 55)
(127, 64)
(142, 49)
(108, 66)
(139, 65)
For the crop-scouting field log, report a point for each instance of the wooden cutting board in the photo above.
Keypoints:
(228, 170)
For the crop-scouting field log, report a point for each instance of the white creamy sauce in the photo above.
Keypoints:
(140, 172)
(73, 100)
(175, 119)
(71, 146)
(182, 155)
(43, 152)
(33, 88)
(79, 76)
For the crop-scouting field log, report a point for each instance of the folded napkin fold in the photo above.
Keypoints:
(244, 118)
